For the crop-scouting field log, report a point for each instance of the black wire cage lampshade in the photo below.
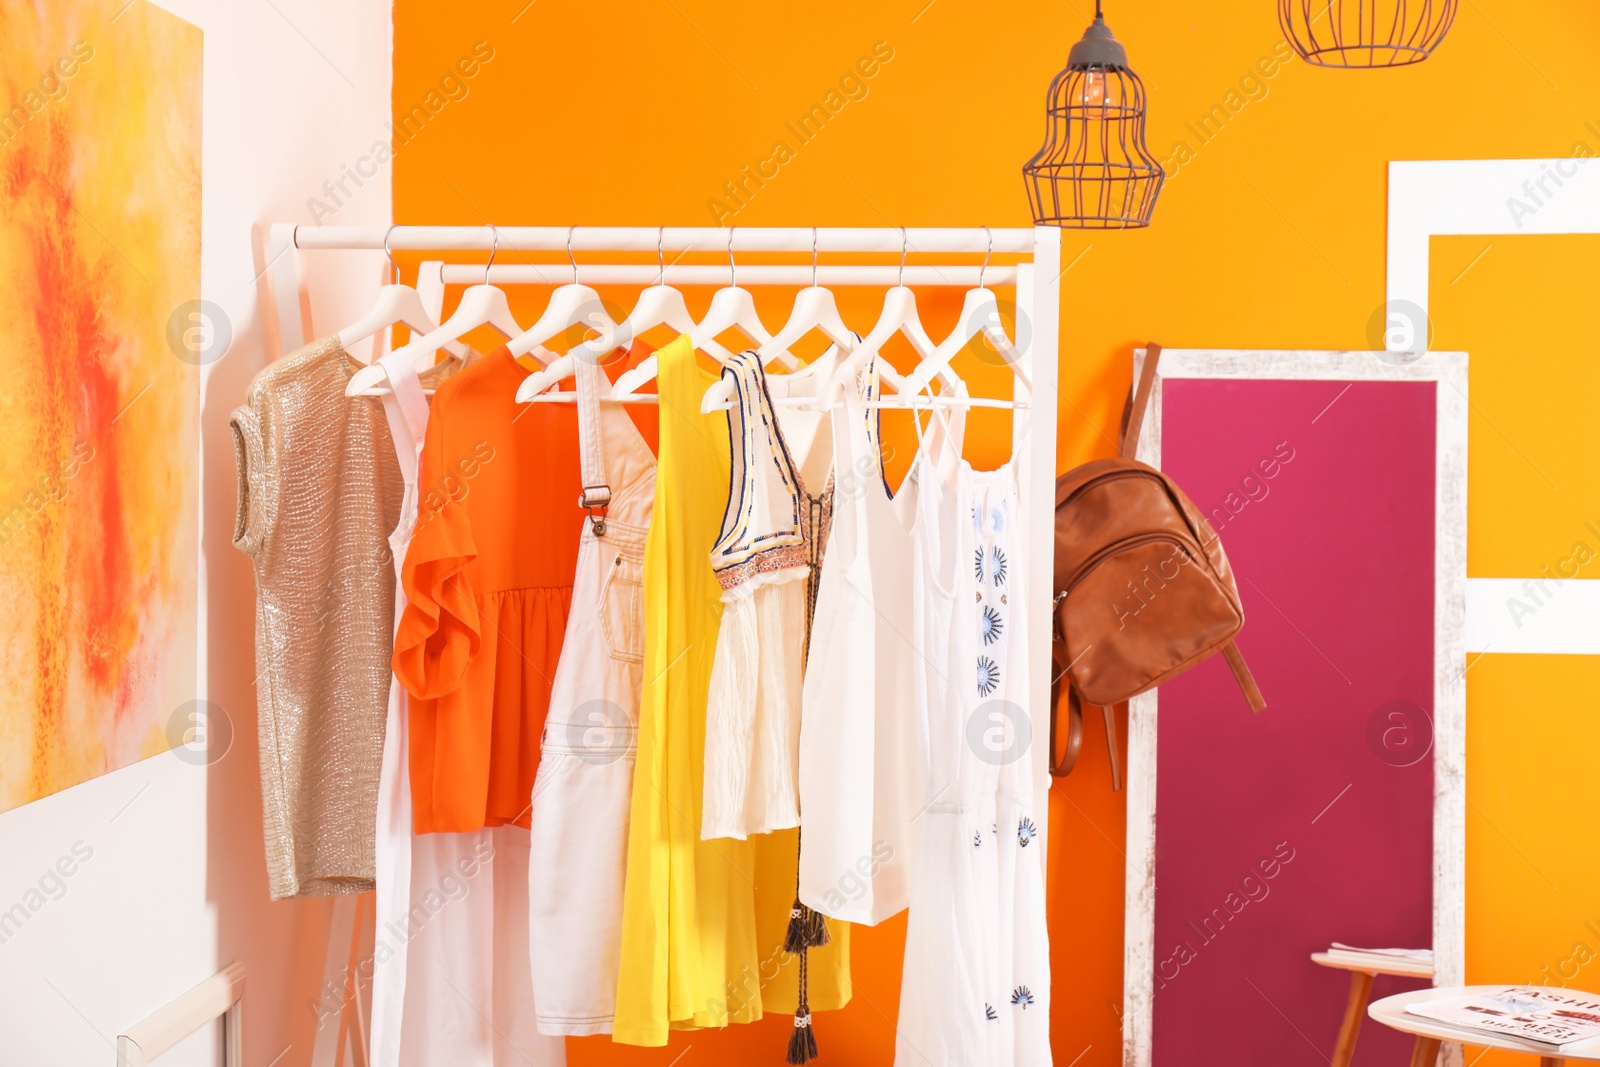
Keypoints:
(1365, 33)
(1094, 171)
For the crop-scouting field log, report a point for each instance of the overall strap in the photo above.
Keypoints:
(406, 407)
(595, 497)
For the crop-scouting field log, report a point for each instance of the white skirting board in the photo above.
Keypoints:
(220, 996)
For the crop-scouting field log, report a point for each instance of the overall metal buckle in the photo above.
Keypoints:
(596, 499)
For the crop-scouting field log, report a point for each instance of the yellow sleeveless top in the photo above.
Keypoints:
(702, 921)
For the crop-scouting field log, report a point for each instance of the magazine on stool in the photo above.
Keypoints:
(1566, 1021)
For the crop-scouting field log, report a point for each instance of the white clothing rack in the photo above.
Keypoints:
(1036, 278)
(706, 274)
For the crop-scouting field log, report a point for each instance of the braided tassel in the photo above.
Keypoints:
(794, 939)
(802, 1043)
(816, 929)
(807, 928)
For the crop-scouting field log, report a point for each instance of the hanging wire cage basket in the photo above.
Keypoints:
(1094, 171)
(1365, 34)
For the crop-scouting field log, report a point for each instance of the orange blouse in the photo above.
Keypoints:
(489, 577)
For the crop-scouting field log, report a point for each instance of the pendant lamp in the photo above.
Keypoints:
(1365, 33)
(1094, 171)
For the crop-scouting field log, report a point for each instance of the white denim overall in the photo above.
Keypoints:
(583, 792)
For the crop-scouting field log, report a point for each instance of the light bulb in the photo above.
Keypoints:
(1094, 89)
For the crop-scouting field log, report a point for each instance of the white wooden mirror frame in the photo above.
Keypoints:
(1448, 370)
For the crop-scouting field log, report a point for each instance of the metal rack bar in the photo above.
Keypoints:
(826, 239)
(964, 277)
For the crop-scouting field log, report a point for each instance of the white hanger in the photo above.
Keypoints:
(571, 305)
(980, 313)
(481, 305)
(659, 305)
(814, 309)
(899, 315)
(731, 308)
(735, 308)
(395, 304)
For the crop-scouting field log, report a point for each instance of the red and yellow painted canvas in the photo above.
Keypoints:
(99, 414)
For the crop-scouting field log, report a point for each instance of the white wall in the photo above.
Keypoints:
(174, 884)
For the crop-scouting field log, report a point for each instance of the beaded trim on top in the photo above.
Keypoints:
(783, 558)
(742, 553)
(794, 560)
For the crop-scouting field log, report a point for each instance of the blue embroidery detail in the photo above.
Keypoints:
(997, 566)
(988, 676)
(990, 625)
(750, 417)
(1026, 831)
(1021, 997)
(989, 1012)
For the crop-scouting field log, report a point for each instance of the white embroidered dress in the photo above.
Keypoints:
(976, 987)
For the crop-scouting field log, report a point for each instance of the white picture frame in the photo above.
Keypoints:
(1496, 197)
(1448, 370)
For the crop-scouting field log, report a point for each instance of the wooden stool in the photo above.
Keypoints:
(1391, 1012)
(1355, 1008)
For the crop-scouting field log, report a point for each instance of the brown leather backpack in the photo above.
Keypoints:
(1143, 590)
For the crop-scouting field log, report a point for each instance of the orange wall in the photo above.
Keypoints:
(1270, 234)
(1526, 310)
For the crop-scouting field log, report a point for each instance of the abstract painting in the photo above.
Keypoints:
(99, 407)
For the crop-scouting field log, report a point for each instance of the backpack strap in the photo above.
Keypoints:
(1113, 747)
(1138, 402)
(1242, 675)
(1062, 761)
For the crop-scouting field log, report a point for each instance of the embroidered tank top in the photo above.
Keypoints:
(773, 530)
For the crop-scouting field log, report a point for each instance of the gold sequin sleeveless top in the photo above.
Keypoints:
(319, 493)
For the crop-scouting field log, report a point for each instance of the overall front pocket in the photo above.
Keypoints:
(622, 605)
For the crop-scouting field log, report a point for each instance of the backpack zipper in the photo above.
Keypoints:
(1126, 543)
(1158, 478)
(1109, 477)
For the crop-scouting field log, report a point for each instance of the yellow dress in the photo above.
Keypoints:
(702, 921)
